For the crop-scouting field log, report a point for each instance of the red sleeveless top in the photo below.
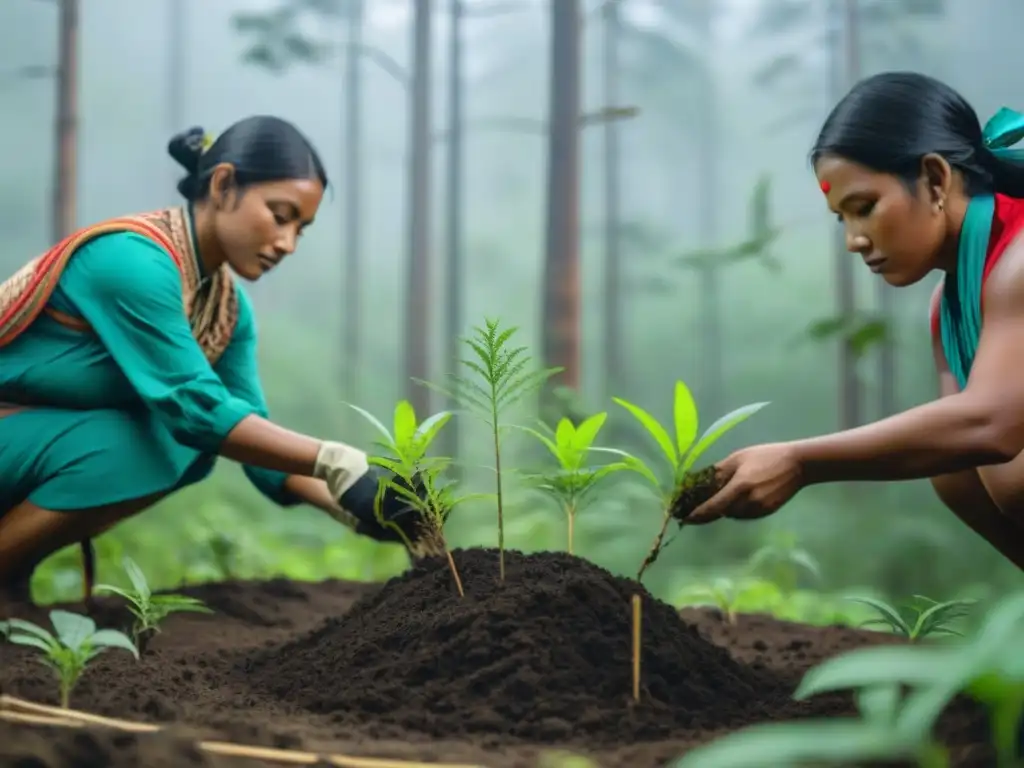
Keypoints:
(1007, 223)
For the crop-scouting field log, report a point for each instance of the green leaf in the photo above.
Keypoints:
(785, 744)
(31, 640)
(653, 428)
(137, 578)
(27, 627)
(587, 431)
(544, 440)
(72, 629)
(405, 423)
(719, 428)
(375, 422)
(110, 638)
(684, 411)
(882, 665)
(889, 615)
(101, 589)
(879, 703)
(431, 426)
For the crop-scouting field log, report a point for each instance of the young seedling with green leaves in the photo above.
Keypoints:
(148, 609)
(76, 642)
(406, 448)
(723, 593)
(923, 617)
(783, 561)
(572, 482)
(686, 489)
(498, 376)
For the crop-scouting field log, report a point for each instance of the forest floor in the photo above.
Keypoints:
(408, 670)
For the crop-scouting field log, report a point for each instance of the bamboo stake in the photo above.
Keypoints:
(18, 717)
(42, 714)
(636, 648)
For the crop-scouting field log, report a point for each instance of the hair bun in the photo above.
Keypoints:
(187, 148)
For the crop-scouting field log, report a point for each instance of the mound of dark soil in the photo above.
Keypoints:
(544, 657)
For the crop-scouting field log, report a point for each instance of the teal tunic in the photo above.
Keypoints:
(132, 408)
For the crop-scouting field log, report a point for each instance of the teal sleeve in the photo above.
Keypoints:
(129, 290)
(238, 370)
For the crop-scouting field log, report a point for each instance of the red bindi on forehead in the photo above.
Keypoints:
(826, 187)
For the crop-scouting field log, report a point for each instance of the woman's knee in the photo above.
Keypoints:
(30, 533)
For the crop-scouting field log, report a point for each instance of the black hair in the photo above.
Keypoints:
(890, 121)
(260, 148)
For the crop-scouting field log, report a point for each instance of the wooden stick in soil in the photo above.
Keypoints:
(636, 648)
(41, 714)
(455, 572)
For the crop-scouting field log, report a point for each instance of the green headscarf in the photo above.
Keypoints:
(960, 305)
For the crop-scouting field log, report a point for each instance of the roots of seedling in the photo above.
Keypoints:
(426, 539)
(695, 488)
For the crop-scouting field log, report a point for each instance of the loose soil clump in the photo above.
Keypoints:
(407, 670)
(545, 657)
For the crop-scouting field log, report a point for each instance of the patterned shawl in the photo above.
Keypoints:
(211, 305)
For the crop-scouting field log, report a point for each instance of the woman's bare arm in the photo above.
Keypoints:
(261, 443)
(982, 425)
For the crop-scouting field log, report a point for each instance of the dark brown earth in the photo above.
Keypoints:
(409, 670)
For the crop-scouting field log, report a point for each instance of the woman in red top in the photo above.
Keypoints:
(919, 186)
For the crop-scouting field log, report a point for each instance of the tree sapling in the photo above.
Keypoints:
(68, 652)
(571, 482)
(406, 458)
(503, 380)
(148, 609)
(687, 489)
(923, 617)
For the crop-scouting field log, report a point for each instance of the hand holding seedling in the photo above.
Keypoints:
(756, 482)
(354, 480)
(395, 506)
(686, 489)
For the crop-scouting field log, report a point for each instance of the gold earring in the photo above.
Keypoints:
(939, 206)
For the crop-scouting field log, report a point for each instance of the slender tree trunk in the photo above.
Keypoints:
(707, 177)
(849, 385)
(417, 319)
(561, 309)
(352, 235)
(455, 269)
(613, 317)
(65, 180)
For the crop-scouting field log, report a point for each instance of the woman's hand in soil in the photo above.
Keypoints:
(756, 482)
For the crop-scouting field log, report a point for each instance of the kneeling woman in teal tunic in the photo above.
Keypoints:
(128, 358)
(921, 186)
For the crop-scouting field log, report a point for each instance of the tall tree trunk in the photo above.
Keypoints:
(65, 181)
(614, 364)
(454, 271)
(418, 288)
(712, 393)
(885, 292)
(352, 235)
(850, 411)
(561, 309)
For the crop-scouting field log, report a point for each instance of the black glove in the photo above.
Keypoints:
(360, 501)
